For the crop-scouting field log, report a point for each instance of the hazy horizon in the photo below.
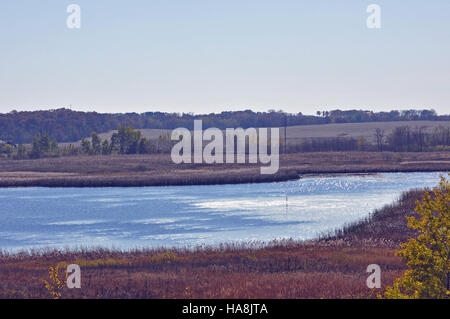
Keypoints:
(218, 112)
(208, 57)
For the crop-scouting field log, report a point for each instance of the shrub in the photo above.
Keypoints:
(428, 255)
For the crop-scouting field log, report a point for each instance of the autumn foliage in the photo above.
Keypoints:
(428, 255)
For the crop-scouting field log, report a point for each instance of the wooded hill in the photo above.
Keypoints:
(65, 125)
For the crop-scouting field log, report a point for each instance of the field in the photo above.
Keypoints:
(354, 130)
(332, 267)
(159, 170)
(299, 133)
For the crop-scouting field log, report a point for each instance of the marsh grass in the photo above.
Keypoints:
(159, 170)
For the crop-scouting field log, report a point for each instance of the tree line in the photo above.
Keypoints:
(65, 125)
(401, 139)
(127, 140)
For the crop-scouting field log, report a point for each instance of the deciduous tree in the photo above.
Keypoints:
(428, 255)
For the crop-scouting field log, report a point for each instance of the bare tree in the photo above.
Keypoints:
(419, 137)
(379, 136)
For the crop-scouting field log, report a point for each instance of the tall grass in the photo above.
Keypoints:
(159, 170)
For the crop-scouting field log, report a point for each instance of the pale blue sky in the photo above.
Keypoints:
(208, 56)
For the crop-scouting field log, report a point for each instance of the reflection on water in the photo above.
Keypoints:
(193, 215)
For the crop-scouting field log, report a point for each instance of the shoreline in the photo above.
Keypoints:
(124, 184)
(158, 170)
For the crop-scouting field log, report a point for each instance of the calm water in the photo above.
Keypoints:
(192, 215)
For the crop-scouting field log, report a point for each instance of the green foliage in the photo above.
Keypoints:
(6, 150)
(96, 143)
(43, 145)
(86, 147)
(106, 149)
(428, 255)
(146, 146)
(129, 140)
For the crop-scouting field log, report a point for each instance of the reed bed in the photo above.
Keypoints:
(158, 169)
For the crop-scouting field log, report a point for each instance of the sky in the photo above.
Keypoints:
(205, 56)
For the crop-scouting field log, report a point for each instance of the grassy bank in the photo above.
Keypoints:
(159, 170)
(332, 267)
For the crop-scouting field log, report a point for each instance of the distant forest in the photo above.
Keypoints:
(65, 125)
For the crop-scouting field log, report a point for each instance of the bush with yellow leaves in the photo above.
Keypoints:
(428, 255)
(55, 286)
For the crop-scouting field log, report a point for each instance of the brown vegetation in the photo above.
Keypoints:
(158, 169)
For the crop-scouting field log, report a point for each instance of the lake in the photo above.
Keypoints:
(179, 216)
